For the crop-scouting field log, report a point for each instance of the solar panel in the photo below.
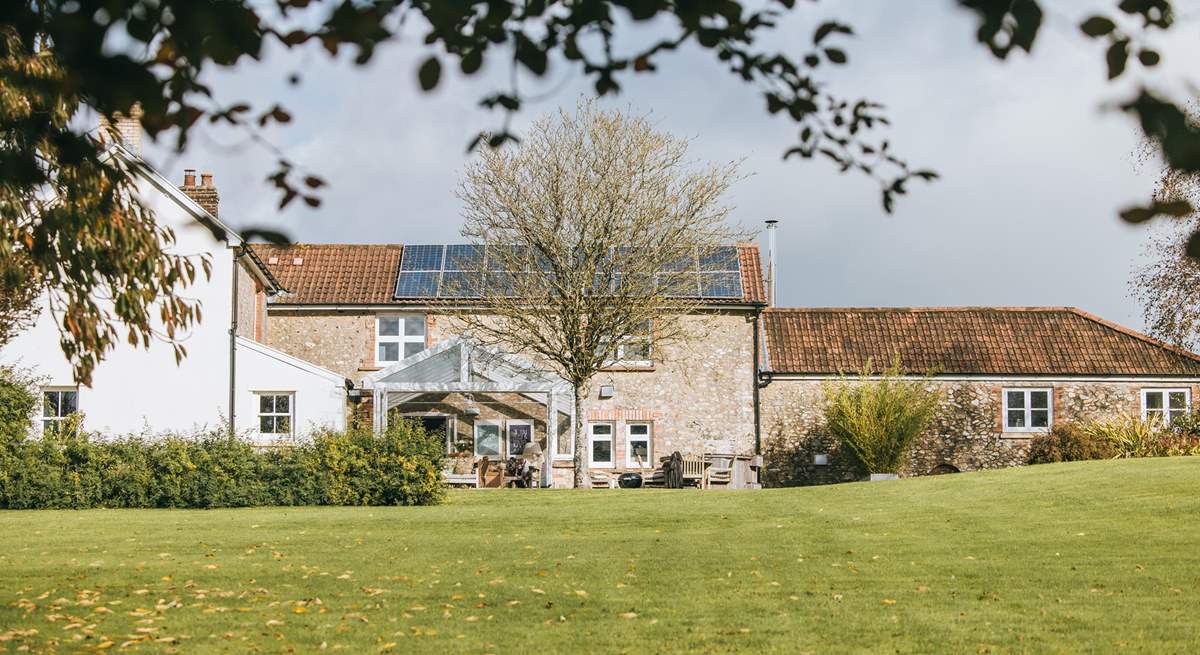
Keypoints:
(457, 284)
(685, 262)
(421, 258)
(464, 257)
(721, 285)
(681, 285)
(422, 284)
(724, 258)
(458, 271)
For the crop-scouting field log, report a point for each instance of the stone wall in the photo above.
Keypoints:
(697, 395)
(343, 342)
(247, 293)
(967, 433)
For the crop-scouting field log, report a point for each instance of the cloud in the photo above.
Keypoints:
(1033, 171)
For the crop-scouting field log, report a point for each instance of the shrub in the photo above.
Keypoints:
(878, 419)
(1069, 442)
(18, 401)
(1130, 436)
(1120, 436)
(70, 468)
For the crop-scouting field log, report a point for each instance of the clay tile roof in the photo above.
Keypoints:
(315, 274)
(967, 340)
(753, 290)
(358, 274)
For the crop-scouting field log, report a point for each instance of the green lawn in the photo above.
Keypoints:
(1078, 557)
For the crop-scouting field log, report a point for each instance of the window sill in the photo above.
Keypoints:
(629, 368)
(1027, 434)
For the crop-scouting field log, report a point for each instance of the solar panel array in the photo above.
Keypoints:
(464, 271)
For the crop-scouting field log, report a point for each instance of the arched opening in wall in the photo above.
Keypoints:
(943, 469)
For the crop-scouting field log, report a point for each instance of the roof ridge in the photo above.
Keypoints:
(1136, 334)
(948, 308)
(302, 244)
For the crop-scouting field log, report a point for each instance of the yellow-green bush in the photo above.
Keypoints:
(879, 417)
(1119, 436)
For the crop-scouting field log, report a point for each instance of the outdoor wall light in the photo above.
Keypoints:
(607, 390)
(472, 411)
(821, 459)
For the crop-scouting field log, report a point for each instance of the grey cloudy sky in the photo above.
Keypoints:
(1025, 214)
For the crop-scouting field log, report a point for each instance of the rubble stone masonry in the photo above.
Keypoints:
(967, 432)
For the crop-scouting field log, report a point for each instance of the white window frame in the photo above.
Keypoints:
(514, 422)
(500, 432)
(621, 359)
(291, 413)
(1028, 409)
(1166, 398)
(399, 339)
(45, 421)
(630, 460)
(611, 439)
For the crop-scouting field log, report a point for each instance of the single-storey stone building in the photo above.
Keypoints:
(1005, 374)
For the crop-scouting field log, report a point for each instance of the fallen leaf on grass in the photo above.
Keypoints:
(628, 615)
(889, 601)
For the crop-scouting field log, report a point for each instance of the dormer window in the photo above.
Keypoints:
(398, 336)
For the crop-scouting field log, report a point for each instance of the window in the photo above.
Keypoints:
(634, 349)
(1165, 404)
(600, 444)
(637, 445)
(436, 425)
(275, 413)
(1027, 410)
(58, 404)
(487, 439)
(519, 434)
(398, 336)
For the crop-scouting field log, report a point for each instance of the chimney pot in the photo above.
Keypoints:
(205, 194)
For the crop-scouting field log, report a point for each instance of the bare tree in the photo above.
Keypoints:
(593, 231)
(1167, 286)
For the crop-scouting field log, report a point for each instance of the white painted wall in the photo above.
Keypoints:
(318, 394)
(139, 389)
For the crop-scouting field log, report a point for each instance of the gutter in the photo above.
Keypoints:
(757, 385)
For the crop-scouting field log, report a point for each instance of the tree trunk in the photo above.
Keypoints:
(578, 436)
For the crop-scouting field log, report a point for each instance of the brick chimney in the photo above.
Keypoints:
(205, 194)
(128, 129)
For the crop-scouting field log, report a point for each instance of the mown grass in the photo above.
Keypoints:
(1100, 556)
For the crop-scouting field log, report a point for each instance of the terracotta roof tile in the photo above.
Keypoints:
(351, 274)
(752, 274)
(966, 340)
(365, 274)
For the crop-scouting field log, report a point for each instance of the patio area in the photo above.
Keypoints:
(507, 423)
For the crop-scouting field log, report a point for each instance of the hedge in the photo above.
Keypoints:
(70, 468)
